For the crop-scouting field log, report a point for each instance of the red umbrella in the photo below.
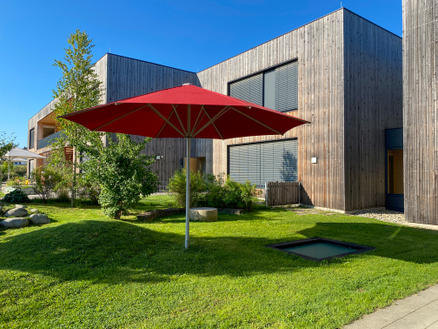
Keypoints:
(185, 112)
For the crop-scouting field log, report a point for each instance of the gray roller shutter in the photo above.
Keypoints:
(264, 162)
(286, 87)
(249, 89)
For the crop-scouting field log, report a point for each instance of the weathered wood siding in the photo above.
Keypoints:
(420, 110)
(373, 102)
(319, 49)
(282, 193)
(127, 77)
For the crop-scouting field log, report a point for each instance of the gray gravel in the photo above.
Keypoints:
(382, 214)
(391, 216)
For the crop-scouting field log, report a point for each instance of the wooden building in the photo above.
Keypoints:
(340, 72)
(420, 110)
(344, 75)
(124, 77)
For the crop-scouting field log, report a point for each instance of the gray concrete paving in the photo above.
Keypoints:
(419, 311)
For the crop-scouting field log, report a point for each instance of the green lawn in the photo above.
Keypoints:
(87, 271)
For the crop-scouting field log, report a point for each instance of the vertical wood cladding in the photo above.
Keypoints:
(349, 88)
(127, 77)
(373, 102)
(420, 110)
(319, 48)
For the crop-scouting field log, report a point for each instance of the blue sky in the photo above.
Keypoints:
(186, 34)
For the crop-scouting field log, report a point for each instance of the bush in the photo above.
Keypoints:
(239, 195)
(122, 173)
(177, 185)
(211, 191)
(47, 181)
(16, 196)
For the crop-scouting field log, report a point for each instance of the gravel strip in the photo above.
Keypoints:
(391, 216)
(382, 214)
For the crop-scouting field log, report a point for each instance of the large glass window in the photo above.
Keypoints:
(263, 162)
(276, 88)
(31, 138)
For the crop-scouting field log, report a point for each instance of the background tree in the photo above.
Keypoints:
(122, 173)
(6, 143)
(78, 88)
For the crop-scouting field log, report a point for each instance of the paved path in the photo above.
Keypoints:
(419, 311)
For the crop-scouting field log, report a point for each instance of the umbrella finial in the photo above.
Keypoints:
(186, 84)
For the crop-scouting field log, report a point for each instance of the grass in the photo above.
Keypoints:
(86, 271)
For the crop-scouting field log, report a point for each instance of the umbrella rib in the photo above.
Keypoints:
(164, 118)
(217, 116)
(256, 121)
(197, 119)
(179, 119)
(217, 130)
(119, 118)
(189, 117)
(164, 126)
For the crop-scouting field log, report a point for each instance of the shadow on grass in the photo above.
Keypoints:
(114, 252)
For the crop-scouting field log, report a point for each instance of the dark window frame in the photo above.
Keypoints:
(263, 72)
(31, 141)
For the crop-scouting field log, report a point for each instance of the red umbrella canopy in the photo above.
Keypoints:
(186, 111)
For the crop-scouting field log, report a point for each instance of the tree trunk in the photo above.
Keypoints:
(73, 186)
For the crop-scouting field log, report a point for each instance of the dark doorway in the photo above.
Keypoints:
(394, 169)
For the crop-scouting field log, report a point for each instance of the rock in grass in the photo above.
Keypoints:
(14, 222)
(203, 214)
(20, 206)
(34, 211)
(39, 219)
(17, 212)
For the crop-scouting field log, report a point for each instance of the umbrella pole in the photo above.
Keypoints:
(188, 140)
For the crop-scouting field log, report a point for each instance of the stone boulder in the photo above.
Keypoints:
(203, 214)
(39, 219)
(20, 206)
(34, 211)
(14, 222)
(17, 212)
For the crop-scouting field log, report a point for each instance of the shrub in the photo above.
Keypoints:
(122, 173)
(47, 181)
(211, 191)
(16, 196)
(177, 185)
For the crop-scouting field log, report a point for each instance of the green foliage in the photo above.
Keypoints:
(47, 181)
(19, 170)
(177, 185)
(79, 88)
(6, 143)
(16, 196)
(211, 191)
(122, 173)
(16, 182)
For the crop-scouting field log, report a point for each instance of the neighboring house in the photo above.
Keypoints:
(341, 72)
(420, 110)
(123, 77)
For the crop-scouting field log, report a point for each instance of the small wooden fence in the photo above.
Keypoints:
(281, 193)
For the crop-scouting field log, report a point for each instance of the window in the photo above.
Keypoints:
(32, 138)
(259, 163)
(47, 131)
(275, 88)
